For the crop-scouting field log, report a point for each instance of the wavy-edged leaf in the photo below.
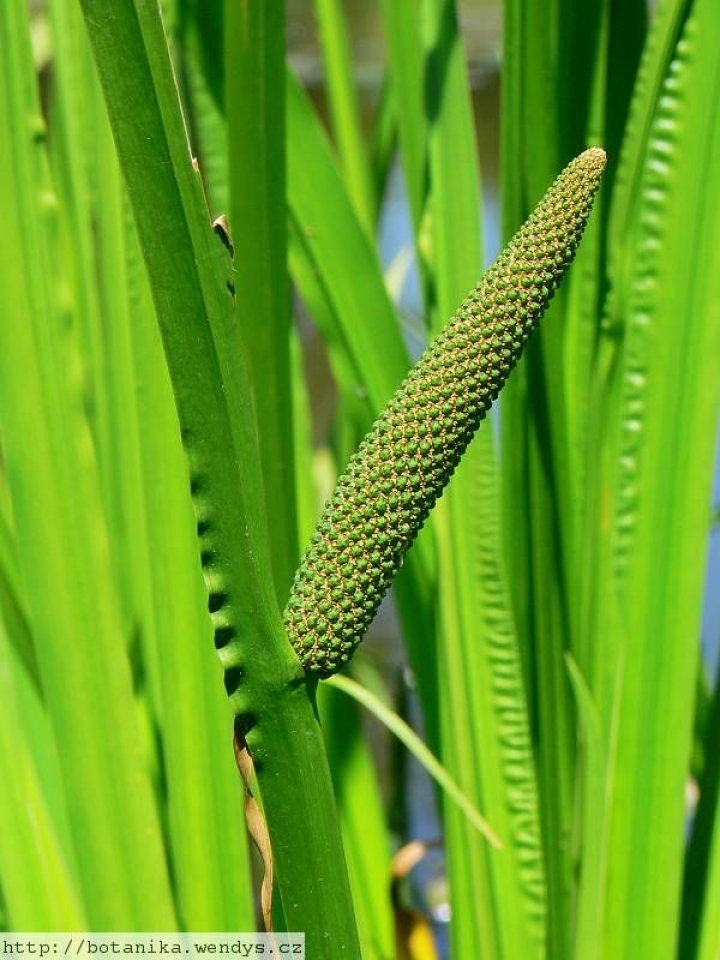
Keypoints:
(664, 467)
(547, 92)
(488, 733)
(485, 734)
(207, 842)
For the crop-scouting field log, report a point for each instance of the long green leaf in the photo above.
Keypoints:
(554, 74)
(480, 679)
(594, 823)
(665, 458)
(345, 109)
(362, 818)
(99, 217)
(13, 607)
(208, 846)
(700, 926)
(414, 744)
(71, 600)
(255, 111)
(39, 889)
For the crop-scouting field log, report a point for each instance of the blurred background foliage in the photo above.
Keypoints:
(554, 632)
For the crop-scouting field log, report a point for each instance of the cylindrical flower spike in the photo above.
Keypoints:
(402, 466)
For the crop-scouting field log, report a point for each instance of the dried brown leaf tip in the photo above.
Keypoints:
(402, 466)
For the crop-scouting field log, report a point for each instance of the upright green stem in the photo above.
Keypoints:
(191, 280)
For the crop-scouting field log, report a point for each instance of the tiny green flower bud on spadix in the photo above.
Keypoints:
(404, 463)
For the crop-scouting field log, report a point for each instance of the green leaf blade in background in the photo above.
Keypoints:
(13, 607)
(345, 110)
(361, 816)
(559, 78)
(587, 934)
(39, 887)
(406, 68)
(556, 657)
(484, 723)
(670, 402)
(334, 238)
(159, 574)
(74, 171)
(700, 924)
(255, 111)
(208, 845)
(61, 537)
(92, 188)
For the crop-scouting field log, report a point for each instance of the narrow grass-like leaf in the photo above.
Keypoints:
(38, 886)
(549, 94)
(110, 368)
(481, 682)
(305, 487)
(202, 74)
(594, 825)
(344, 107)
(208, 846)
(362, 819)
(67, 583)
(72, 125)
(334, 237)
(161, 577)
(13, 608)
(665, 461)
(255, 112)
(384, 141)
(452, 156)
(414, 744)
(406, 68)
(700, 926)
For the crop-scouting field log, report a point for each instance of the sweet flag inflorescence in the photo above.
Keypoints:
(404, 463)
